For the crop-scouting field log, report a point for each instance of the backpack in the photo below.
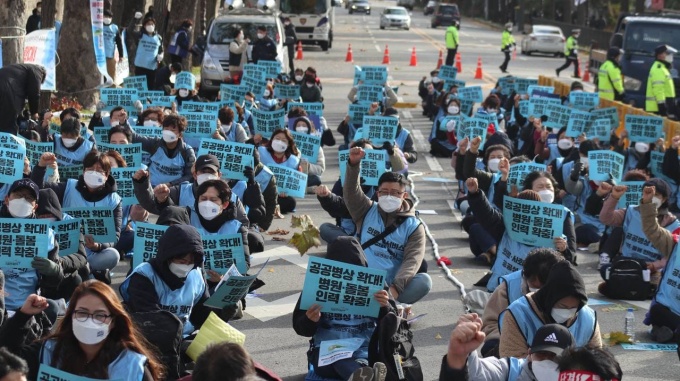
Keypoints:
(626, 281)
(163, 330)
(392, 345)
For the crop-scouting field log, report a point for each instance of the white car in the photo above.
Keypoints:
(397, 17)
(544, 39)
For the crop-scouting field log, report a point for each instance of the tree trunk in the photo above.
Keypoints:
(78, 76)
(160, 14)
(48, 11)
(181, 10)
(625, 6)
(211, 11)
(639, 6)
(12, 18)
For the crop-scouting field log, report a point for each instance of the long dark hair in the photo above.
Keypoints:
(69, 357)
(292, 148)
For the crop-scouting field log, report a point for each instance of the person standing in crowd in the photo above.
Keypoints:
(112, 41)
(179, 45)
(291, 40)
(35, 19)
(165, 77)
(264, 49)
(507, 45)
(451, 42)
(238, 54)
(18, 83)
(609, 80)
(571, 53)
(149, 52)
(660, 87)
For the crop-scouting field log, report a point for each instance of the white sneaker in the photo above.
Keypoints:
(604, 260)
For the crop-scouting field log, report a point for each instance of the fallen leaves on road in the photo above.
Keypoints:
(278, 232)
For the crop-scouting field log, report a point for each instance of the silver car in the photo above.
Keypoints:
(395, 17)
(544, 39)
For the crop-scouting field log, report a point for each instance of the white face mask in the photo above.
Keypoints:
(585, 161)
(303, 130)
(561, 315)
(310, 84)
(173, 77)
(183, 93)
(642, 147)
(657, 201)
(493, 165)
(151, 123)
(286, 23)
(68, 143)
(451, 126)
(203, 177)
(532, 289)
(565, 144)
(669, 58)
(261, 35)
(94, 179)
(453, 110)
(436, 79)
(150, 28)
(181, 271)
(266, 93)
(107, 20)
(169, 136)
(545, 370)
(389, 204)
(209, 210)
(298, 78)
(20, 208)
(278, 146)
(547, 195)
(89, 332)
(115, 123)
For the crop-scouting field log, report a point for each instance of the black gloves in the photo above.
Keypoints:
(576, 171)
(249, 173)
(387, 146)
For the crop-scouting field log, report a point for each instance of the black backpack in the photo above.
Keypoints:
(626, 281)
(163, 330)
(392, 345)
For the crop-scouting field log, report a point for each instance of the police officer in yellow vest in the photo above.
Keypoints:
(507, 45)
(451, 42)
(609, 81)
(660, 96)
(571, 53)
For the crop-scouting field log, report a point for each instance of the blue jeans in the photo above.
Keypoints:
(330, 232)
(480, 240)
(419, 286)
(105, 259)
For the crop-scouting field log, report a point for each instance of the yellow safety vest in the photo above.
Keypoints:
(451, 37)
(507, 41)
(609, 80)
(659, 86)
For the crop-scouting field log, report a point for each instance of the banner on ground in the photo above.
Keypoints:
(40, 48)
(373, 165)
(234, 157)
(533, 223)
(97, 222)
(22, 241)
(604, 165)
(289, 181)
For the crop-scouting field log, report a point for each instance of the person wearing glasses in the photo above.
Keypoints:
(96, 338)
(401, 249)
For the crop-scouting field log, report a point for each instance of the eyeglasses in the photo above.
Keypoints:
(390, 193)
(100, 318)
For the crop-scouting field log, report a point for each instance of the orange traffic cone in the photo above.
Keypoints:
(459, 65)
(440, 61)
(414, 58)
(350, 56)
(299, 51)
(386, 56)
(586, 73)
(478, 72)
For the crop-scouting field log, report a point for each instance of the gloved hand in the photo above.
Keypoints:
(387, 146)
(45, 267)
(662, 109)
(249, 173)
(138, 15)
(576, 171)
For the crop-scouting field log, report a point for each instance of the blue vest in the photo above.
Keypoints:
(128, 365)
(496, 177)
(569, 200)
(164, 169)
(387, 254)
(631, 160)
(264, 177)
(528, 322)
(110, 32)
(68, 158)
(174, 48)
(554, 153)
(73, 198)
(513, 282)
(347, 224)
(147, 50)
(4, 190)
(510, 258)
(401, 138)
(515, 366)
(239, 188)
(266, 159)
(180, 301)
(345, 326)
(229, 227)
(186, 195)
(669, 286)
(231, 136)
(635, 242)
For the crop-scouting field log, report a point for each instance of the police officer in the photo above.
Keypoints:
(507, 43)
(609, 81)
(451, 42)
(660, 89)
(571, 53)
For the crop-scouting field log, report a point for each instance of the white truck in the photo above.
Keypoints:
(313, 20)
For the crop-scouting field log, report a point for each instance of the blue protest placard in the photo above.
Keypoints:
(67, 233)
(600, 129)
(507, 84)
(558, 116)
(447, 73)
(357, 111)
(584, 101)
(163, 102)
(374, 75)
(287, 91)
(145, 243)
(471, 92)
(223, 250)
(185, 80)
(373, 165)
(254, 84)
(137, 82)
(609, 113)
(488, 118)
(97, 221)
(101, 134)
(370, 93)
(151, 132)
(235, 93)
(650, 347)
(124, 184)
(524, 107)
(341, 288)
(255, 71)
(289, 181)
(67, 172)
(519, 171)
(233, 156)
(645, 129)
(455, 82)
(48, 373)
(540, 89)
(34, 150)
(22, 240)
(200, 125)
(473, 127)
(380, 129)
(209, 107)
(147, 96)
(656, 165)
(232, 288)
(131, 152)
(308, 145)
(533, 223)
(112, 97)
(450, 123)
(272, 68)
(537, 106)
(312, 108)
(266, 122)
(603, 165)
(633, 194)
(522, 85)
(11, 164)
(12, 142)
(578, 124)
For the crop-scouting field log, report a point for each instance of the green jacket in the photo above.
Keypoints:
(570, 46)
(659, 86)
(507, 41)
(451, 37)
(609, 80)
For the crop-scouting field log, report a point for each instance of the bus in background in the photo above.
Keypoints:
(313, 20)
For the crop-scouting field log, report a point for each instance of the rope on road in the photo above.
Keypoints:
(435, 246)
